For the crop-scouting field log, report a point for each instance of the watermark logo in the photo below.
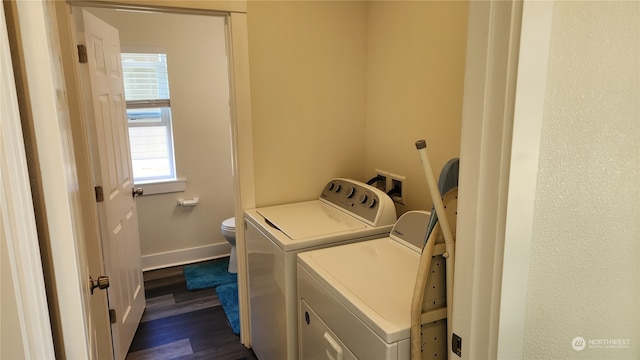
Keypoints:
(578, 343)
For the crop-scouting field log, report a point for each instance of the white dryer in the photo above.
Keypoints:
(346, 211)
(355, 300)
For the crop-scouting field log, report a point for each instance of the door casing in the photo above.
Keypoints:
(24, 300)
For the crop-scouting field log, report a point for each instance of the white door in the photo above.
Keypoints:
(111, 161)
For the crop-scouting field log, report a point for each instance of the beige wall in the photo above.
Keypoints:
(583, 275)
(415, 75)
(198, 80)
(341, 88)
(308, 91)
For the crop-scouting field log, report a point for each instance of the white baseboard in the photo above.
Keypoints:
(185, 256)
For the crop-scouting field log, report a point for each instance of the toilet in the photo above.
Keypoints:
(228, 229)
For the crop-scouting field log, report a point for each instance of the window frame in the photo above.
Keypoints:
(164, 105)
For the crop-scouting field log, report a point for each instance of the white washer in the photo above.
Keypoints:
(355, 300)
(346, 211)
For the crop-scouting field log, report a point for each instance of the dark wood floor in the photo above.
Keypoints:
(182, 324)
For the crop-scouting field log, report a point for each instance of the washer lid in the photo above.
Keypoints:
(309, 219)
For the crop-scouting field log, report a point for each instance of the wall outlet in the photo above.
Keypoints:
(456, 344)
(384, 183)
(396, 188)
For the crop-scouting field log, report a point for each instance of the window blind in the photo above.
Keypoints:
(145, 78)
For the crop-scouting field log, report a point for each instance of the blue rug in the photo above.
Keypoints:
(208, 274)
(228, 296)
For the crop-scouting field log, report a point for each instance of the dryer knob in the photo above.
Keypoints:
(371, 203)
(363, 198)
(349, 192)
(337, 188)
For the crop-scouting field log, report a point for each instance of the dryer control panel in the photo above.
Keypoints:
(357, 198)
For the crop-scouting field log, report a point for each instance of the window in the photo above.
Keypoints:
(146, 88)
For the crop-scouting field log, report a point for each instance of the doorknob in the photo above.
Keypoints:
(137, 191)
(102, 283)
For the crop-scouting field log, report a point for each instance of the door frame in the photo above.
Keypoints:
(506, 71)
(489, 91)
(54, 186)
(23, 291)
(241, 137)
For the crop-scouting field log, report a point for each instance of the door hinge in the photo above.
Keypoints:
(112, 316)
(82, 54)
(99, 194)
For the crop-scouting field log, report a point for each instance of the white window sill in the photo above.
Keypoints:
(162, 187)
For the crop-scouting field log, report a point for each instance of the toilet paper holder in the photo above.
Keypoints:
(188, 203)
